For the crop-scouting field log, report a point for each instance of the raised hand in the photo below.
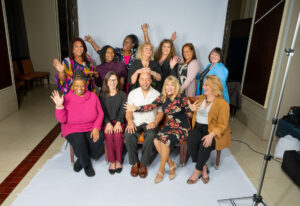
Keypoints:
(173, 36)
(145, 27)
(58, 66)
(88, 38)
(57, 99)
(173, 62)
(129, 107)
(95, 134)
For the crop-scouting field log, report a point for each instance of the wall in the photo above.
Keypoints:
(41, 29)
(8, 97)
(200, 22)
(258, 118)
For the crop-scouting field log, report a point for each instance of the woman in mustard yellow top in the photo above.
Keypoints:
(210, 126)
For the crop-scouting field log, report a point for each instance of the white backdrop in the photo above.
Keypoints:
(200, 22)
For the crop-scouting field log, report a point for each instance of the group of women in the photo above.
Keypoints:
(87, 120)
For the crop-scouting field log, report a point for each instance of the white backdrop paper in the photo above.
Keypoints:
(200, 22)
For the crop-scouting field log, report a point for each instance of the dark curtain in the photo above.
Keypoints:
(17, 30)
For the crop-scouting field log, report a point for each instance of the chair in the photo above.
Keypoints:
(218, 158)
(20, 89)
(72, 155)
(28, 78)
(28, 69)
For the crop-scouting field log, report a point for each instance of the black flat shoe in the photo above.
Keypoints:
(119, 170)
(77, 166)
(89, 171)
(111, 171)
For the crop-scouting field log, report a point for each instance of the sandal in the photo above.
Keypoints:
(159, 177)
(205, 180)
(190, 181)
(172, 171)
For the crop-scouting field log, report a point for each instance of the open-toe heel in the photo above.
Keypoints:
(159, 177)
(172, 171)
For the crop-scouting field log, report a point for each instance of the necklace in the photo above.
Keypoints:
(209, 102)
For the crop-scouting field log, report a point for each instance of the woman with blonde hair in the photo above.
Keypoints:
(210, 126)
(144, 63)
(176, 130)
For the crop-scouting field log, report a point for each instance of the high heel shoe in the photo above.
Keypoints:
(172, 169)
(159, 177)
(190, 181)
(205, 180)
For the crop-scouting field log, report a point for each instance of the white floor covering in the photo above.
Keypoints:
(57, 184)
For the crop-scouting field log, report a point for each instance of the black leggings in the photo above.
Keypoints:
(199, 153)
(84, 147)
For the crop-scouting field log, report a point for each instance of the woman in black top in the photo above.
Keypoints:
(112, 100)
(145, 63)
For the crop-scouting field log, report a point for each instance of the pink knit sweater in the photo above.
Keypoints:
(80, 114)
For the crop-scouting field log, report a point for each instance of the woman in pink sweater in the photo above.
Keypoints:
(81, 115)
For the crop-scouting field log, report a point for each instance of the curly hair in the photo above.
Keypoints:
(103, 54)
(158, 52)
(83, 55)
(141, 49)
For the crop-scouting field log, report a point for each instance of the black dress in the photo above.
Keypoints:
(177, 128)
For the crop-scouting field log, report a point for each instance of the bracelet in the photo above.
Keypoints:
(145, 32)
(62, 107)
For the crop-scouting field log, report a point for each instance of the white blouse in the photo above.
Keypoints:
(202, 113)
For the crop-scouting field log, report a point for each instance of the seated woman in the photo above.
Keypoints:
(109, 63)
(216, 67)
(81, 115)
(112, 100)
(210, 127)
(78, 60)
(145, 63)
(176, 130)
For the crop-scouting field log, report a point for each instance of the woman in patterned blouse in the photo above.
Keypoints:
(176, 130)
(78, 60)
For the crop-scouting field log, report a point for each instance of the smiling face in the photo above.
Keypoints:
(207, 89)
(145, 81)
(112, 82)
(77, 49)
(170, 88)
(187, 53)
(127, 44)
(109, 55)
(214, 57)
(79, 87)
(147, 51)
(166, 49)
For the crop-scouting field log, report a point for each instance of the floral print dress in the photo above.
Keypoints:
(177, 128)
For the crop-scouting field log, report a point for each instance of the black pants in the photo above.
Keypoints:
(85, 148)
(199, 153)
(148, 146)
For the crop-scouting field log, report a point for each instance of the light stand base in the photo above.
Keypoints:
(243, 201)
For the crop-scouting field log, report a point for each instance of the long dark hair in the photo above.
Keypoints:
(134, 40)
(191, 46)
(103, 53)
(83, 55)
(105, 88)
(158, 52)
(218, 50)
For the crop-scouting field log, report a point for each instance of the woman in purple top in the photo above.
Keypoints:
(109, 63)
(81, 115)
